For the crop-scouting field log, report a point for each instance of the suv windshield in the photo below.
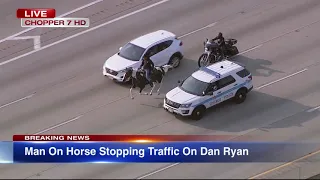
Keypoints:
(131, 52)
(194, 86)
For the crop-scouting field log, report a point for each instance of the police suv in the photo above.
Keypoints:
(207, 87)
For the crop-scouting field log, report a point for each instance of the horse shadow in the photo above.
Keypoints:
(257, 67)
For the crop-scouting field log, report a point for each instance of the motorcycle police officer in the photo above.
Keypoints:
(221, 42)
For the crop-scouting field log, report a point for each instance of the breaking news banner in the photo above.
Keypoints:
(47, 18)
(146, 149)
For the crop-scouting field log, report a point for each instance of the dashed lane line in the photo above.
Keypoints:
(281, 79)
(16, 101)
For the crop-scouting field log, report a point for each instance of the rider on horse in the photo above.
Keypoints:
(148, 66)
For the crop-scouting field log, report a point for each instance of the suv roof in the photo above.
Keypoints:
(216, 71)
(151, 38)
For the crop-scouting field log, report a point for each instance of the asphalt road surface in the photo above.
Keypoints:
(60, 88)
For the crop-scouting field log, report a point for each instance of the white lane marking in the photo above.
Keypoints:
(265, 85)
(83, 32)
(251, 49)
(62, 15)
(117, 19)
(197, 30)
(36, 40)
(58, 125)
(24, 98)
(78, 117)
(313, 109)
(288, 32)
(159, 170)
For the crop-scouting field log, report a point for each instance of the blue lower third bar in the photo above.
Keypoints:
(6, 152)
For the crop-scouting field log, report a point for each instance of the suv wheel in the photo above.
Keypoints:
(175, 61)
(240, 96)
(198, 113)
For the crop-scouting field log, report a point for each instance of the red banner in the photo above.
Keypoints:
(123, 138)
(36, 13)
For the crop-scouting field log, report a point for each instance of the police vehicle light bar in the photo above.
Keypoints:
(209, 71)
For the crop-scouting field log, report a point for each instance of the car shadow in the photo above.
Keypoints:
(259, 108)
(257, 67)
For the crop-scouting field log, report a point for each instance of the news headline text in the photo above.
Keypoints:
(155, 152)
(150, 150)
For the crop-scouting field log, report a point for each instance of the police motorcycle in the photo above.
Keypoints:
(231, 49)
(212, 52)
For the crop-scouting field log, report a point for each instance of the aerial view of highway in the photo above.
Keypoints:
(54, 81)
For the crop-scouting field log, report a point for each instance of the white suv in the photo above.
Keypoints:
(161, 46)
(207, 87)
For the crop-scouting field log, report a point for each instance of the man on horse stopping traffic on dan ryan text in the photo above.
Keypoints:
(148, 66)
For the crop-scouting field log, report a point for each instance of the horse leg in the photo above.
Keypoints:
(154, 85)
(158, 91)
(131, 93)
(140, 92)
